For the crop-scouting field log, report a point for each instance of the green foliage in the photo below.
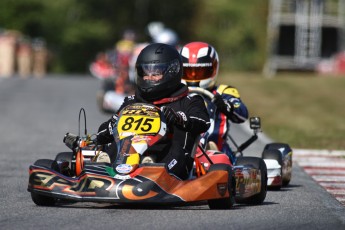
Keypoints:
(76, 30)
(237, 30)
(21, 15)
(305, 111)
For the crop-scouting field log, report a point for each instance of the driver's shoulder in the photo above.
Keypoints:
(228, 90)
(193, 97)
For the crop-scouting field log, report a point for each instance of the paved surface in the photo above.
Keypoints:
(327, 168)
(34, 116)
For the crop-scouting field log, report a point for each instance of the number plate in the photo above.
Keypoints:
(138, 122)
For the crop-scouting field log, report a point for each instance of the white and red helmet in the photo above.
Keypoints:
(200, 65)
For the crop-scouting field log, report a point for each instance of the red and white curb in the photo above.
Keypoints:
(326, 167)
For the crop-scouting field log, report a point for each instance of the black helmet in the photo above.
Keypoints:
(159, 71)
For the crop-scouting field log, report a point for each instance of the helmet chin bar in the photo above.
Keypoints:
(154, 93)
(193, 83)
(149, 95)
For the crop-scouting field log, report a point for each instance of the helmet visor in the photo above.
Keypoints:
(156, 69)
(198, 71)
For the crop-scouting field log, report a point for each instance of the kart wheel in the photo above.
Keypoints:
(65, 157)
(42, 200)
(228, 202)
(286, 160)
(257, 163)
(274, 154)
(47, 163)
(39, 199)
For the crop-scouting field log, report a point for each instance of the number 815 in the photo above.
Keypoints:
(145, 124)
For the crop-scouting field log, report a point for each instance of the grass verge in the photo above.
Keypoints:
(304, 110)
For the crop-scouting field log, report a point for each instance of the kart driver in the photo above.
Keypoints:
(159, 72)
(200, 69)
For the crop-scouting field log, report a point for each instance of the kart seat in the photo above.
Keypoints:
(212, 146)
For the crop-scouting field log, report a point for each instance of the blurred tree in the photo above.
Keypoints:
(76, 30)
(236, 29)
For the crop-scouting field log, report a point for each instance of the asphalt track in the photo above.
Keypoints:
(36, 113)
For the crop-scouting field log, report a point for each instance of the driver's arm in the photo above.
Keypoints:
(198, 117)
(239, 112)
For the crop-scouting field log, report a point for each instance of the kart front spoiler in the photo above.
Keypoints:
(148, 184)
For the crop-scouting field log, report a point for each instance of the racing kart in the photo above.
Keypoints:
(112, 69)
(109, 100)
(278, 159)
(277, 156)
(134, 177)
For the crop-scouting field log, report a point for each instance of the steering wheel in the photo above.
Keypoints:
(201, 91)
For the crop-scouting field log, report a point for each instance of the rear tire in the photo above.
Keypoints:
(228, 202)
(286, 178)
(39, 199)
(51, 164)
(258, 163)
(274, 154)
(65, 156)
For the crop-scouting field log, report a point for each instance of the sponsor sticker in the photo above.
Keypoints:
(236, 103)
(124, 168)
(122, 177)
(222, 187)
(141, 138)
(172, 163)
(184, 117)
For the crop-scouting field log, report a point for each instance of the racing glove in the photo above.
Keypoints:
(175, 118)
(105, 131)
(224, 106)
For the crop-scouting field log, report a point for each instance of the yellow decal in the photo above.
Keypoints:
(133, 159)
(138, 125)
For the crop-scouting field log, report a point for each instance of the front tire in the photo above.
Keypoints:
(228, 202)
(257, 163)
(42, 200)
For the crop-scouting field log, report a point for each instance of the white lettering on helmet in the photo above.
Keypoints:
(197, 64)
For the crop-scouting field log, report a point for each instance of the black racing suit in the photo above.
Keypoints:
(174, 151)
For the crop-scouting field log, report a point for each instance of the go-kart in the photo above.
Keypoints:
(112, 69)
(250, 172)
(134, 177)
(109, 100)
(277, 156)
